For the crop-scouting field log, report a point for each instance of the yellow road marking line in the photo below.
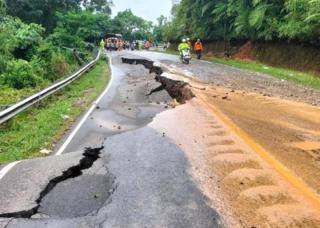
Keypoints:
(292, 178)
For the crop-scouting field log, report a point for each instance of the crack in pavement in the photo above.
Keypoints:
(178, 90)
(7, 223)
(90, 156)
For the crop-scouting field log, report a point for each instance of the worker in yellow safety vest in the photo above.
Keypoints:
(102, 43)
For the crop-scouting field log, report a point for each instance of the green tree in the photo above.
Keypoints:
(18, 40)
(2, 9)
(159, 28)
(102, 6)
(246, 19)
(131, 26)
(301, 20)
(41, 11)
(75, 28)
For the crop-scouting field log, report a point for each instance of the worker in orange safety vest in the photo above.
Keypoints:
(198, 47)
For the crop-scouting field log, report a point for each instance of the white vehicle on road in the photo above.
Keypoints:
(185, 55)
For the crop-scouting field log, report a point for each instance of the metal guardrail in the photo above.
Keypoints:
(22, 105)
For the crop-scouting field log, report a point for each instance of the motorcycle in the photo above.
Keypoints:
(185, 56)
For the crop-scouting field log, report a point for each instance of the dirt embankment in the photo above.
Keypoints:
(292, 56)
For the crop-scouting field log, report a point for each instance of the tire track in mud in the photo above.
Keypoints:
(258, 195)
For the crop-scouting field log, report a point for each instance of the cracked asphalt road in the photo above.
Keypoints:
(125, 107)
(237, 79)
(163, 167)
(141, 179)
(181, 167)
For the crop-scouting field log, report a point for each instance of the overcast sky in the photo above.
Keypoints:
(147, 9)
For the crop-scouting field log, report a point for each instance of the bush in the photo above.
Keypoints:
(56, 60)
(22, 74)
(45, 51)
(58, 67)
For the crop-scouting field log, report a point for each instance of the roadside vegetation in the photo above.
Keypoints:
(32, 58)
(40, 127)
(42, 42)
(267, 20)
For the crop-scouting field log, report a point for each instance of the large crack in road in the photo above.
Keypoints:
(178, 90)
(90, 155)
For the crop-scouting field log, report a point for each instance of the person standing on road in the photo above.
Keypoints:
(147, 45)
(102, 44)
(198, 47)
(109, 45)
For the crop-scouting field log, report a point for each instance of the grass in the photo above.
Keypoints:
(303, 78)
(42, 125)
(297, 77)
(12, 96)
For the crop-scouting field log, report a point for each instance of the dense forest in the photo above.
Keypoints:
(297, 20)
(38, 37)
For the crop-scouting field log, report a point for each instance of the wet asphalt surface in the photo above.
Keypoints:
(139, 180)
(125, 107)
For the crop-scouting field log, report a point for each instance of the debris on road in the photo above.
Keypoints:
(46, 151)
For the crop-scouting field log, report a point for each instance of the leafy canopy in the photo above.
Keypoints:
(246, 19)
(131, 26)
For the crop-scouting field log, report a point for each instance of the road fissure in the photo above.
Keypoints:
(179, 90)
(90, 155)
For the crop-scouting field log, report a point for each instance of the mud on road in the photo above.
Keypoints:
(288, 132)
